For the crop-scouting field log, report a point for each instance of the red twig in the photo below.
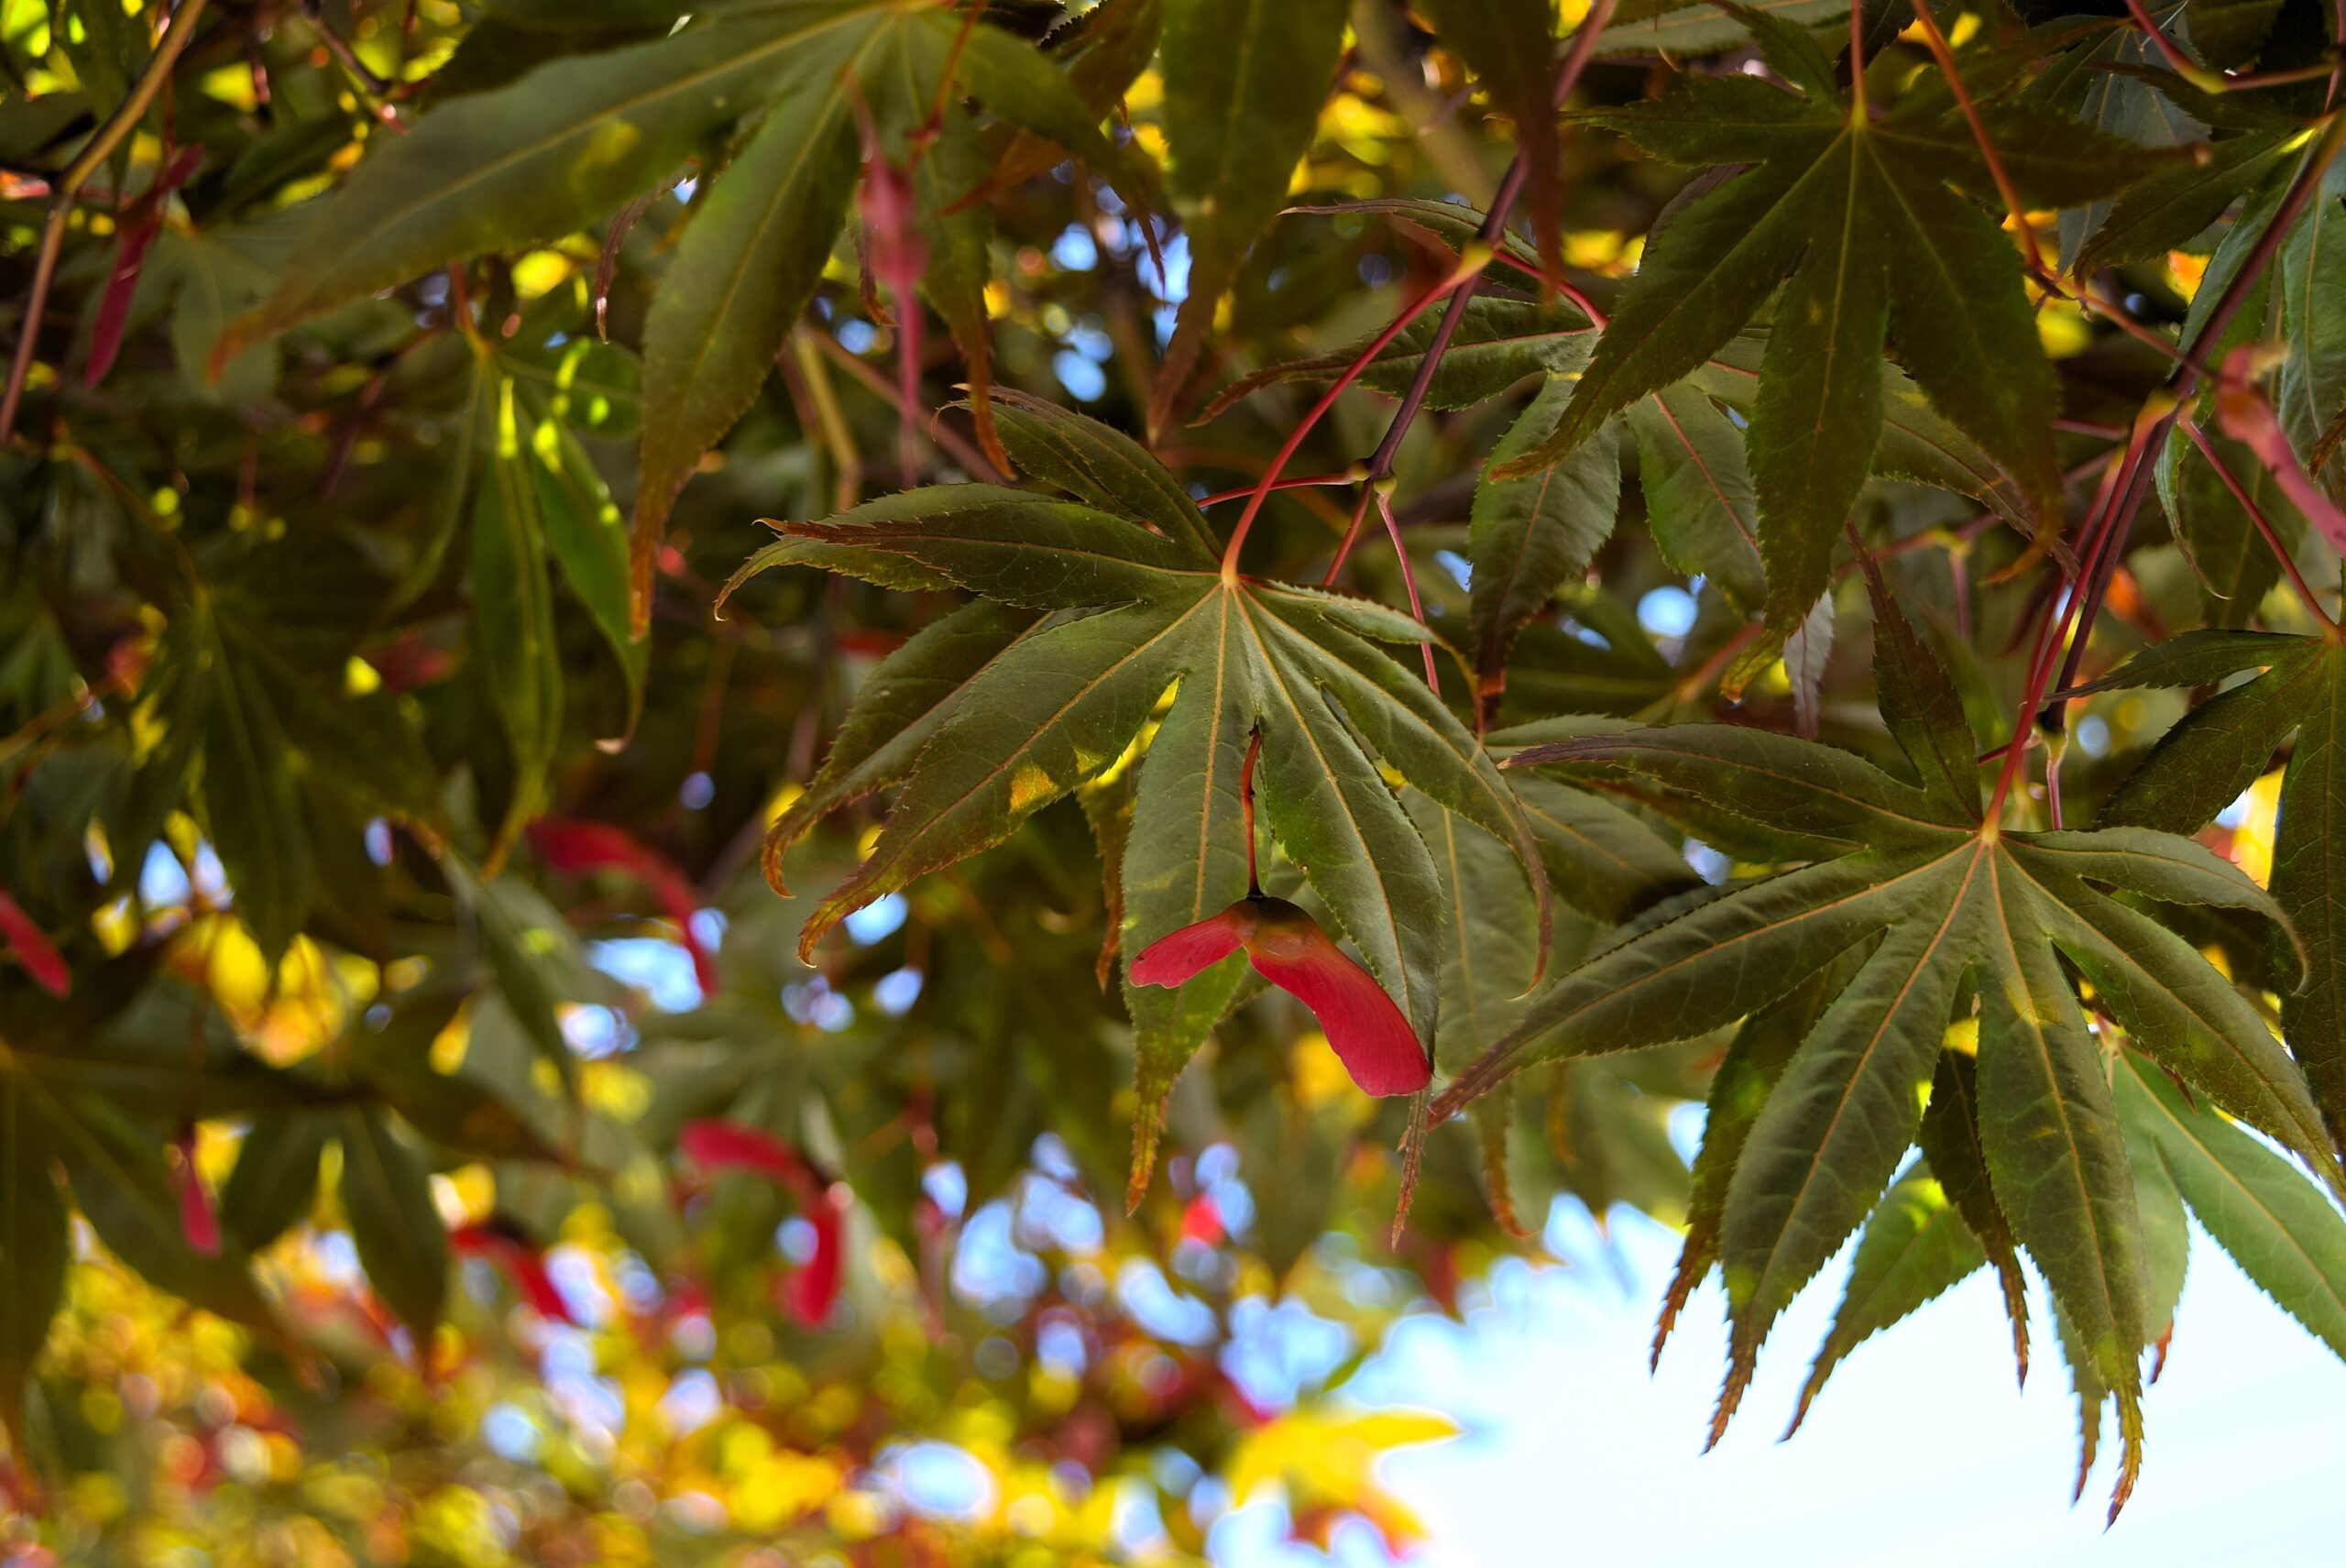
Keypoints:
(1579, 300)
(1857, 59)
(2023, 231)
(1384, 494)
(1351, 535)
(1510, 191)
(2182, 64)
(2264, 525)
(1469, 266)
(878, 386)
(2126, 486)
(2060, 609)
(1306, 481)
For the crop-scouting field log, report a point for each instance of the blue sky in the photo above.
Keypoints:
(1919, 1452)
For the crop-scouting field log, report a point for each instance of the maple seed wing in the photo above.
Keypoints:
(1371, 1038)
(1189, 952)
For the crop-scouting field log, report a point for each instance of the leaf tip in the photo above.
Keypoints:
(1148, 1121)
(1413, 1148)
(1741, 1354)
(1693, 1264)
(1808, 1392)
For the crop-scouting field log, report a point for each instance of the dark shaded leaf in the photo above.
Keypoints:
(745, 269)
(1698, 494)
(275, 1179)
(1530, 535)
(514, 626)
(32, 1250)
(387, 1197)
(1858, 213)
(1242, 84)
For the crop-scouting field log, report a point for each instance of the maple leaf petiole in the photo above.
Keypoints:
(1470, 266)
(2125, 488)
(2281, 551)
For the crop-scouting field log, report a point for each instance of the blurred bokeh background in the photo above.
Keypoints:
(572, 1220)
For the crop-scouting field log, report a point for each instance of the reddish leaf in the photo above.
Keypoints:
(131, 244)
(719, 1145)
(33, 948)
(504, 1243)
(579, 848)
(894, 255)
(814, 1289)
(732, 1145)
(139, 225)
(2249, 418)
(1374, 1041)
(408, 663)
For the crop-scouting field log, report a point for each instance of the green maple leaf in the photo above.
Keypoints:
(1914, 1247)
(2276, 1224)
(1675, 29)
(2223, 746)
(558, 148)
(1931, 904)
(1536, 529)
(1872, 227)
(1243, 81)
(1095, 610)
(1922, 1237)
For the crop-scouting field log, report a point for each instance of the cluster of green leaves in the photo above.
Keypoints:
(371, 503)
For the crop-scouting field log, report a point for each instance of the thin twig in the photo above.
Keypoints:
(1460, 279)
(2126, 486)
(378, 93)
(1351, 535)
(2184, 381)
(101, 147)
(1384, 493)
(2087, 427)
(1708, 672)
(807, 375)
(2117, 316)
(1579, 300)
(1857, 59)
(1494, 229)
(2060, 609)
(2182, 64)
(961, 452)
(2281, 552)
(1292, 482)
